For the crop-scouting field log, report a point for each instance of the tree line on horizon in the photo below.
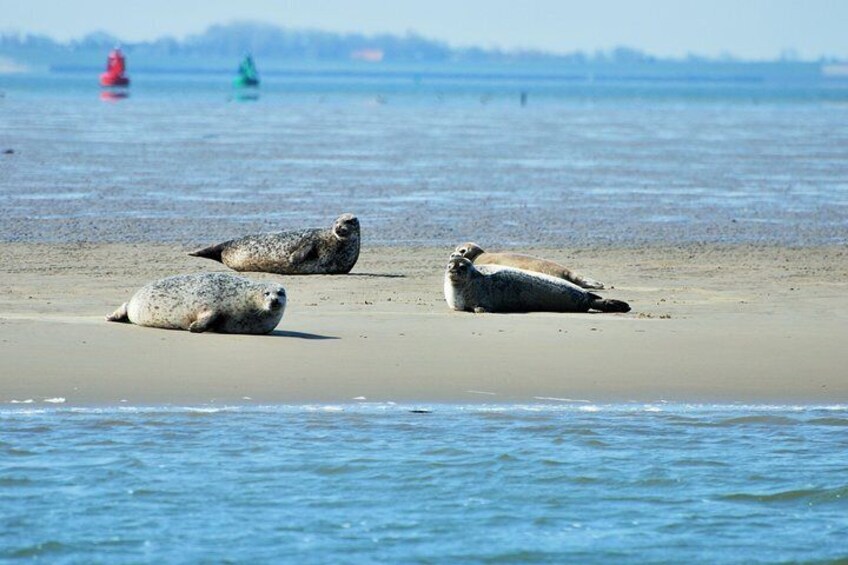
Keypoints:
(265, 40)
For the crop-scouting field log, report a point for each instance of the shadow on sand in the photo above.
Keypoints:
(301, 335)
(378, 275)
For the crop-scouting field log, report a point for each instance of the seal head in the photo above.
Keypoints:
(274, 298)
(469, 250)
(346, 226)
(460, 269)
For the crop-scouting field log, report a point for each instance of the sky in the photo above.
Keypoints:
(749, 29)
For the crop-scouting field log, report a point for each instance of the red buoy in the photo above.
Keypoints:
(116, 66)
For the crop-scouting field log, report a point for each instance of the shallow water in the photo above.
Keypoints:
(377, 483)
(427, 162)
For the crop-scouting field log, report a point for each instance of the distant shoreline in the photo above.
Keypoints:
(427, 74)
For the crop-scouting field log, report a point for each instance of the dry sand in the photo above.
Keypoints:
(709, 324)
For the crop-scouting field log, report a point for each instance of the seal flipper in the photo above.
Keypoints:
(119, 315)
(584, 282)
(204, 322)
(306, 251)
(212, 252)
(607, 304)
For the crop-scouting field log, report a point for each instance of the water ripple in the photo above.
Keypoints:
(811, 495)
(367, 482)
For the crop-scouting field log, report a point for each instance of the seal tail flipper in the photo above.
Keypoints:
(119, 315)
(607, 304)
(212, 252)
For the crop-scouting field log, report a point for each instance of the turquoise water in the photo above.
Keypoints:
(378, 483)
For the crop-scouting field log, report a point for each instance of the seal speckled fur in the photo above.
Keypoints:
(493, 288)
(330, 251)
(217, 302)
(476, 255)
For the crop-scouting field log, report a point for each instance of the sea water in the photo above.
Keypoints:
(428, 159)
(392, 483)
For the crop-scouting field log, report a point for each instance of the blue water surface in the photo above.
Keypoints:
(429, 158)
(449, 483)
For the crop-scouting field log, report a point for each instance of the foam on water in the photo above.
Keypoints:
(558, 405)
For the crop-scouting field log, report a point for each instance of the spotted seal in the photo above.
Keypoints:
(476, 255)
(494, 288)
(217, 302)
(330, 251)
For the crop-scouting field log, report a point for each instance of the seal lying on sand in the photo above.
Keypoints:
(476, 255)
(492, 288)
(206, 302)
(317, 251)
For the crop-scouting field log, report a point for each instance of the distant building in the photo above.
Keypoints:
(368, 55)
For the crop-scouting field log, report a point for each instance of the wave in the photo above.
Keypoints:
(829, 421)
(15, 481)
(766, 419)
(811, 495)
(36, 550)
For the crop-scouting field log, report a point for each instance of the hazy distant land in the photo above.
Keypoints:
(279, 48)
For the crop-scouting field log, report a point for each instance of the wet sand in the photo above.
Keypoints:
(709, 324)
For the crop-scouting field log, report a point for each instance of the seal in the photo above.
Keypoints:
(476, 255)
(317, 251)
(494, 288)
(217, 302)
